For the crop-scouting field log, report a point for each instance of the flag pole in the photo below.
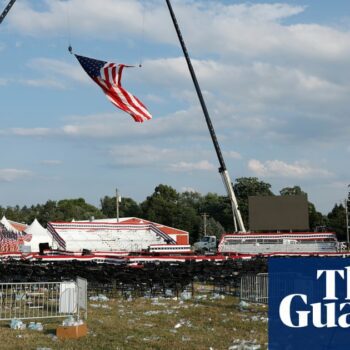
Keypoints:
(222, 170)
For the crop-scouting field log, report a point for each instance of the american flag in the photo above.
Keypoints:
(108, 76)
(8, 240)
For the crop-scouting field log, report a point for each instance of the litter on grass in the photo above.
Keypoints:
(17, 324)
(36, 326)
(70, 321)
(100, 297)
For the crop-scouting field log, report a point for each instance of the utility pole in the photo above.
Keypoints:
(204, 215)
(117, 203)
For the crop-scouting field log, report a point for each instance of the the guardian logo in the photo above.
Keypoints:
(309, 303)
(325, 310)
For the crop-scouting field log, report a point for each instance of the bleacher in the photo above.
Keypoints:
(114, 237)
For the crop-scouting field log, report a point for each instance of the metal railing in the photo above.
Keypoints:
(43, 299)
(254, 288)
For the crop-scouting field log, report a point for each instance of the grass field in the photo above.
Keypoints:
(200, 323)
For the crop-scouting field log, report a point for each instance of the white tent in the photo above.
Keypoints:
(8, 225)
(39, 235)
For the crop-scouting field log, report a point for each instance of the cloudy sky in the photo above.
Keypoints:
(275, 76)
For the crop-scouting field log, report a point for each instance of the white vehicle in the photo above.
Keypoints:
(206, 244)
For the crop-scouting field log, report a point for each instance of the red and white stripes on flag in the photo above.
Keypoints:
(108, 76)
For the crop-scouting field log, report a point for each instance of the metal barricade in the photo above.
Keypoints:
(39, 300)
(254, 288)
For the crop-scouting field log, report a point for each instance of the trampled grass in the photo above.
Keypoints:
(153, 324)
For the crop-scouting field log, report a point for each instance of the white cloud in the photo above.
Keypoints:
(32, 131)
(10, 175)
(47, 83)
(260, 26)
(278, 168)
(170, 159)
(140, 155)
(203, 165)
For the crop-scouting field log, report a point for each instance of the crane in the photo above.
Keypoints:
(237, 218)
(6, 10)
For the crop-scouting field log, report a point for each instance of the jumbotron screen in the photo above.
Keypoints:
(278, 213)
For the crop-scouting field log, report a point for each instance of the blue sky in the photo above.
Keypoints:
(275, 76)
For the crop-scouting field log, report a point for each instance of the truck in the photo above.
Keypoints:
(207, 244)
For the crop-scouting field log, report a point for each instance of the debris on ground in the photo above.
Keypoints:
(186, 295)
(17, 324)
(100, 297)
(243, 305)
(244, 345)
(36, 326)
(70, 321)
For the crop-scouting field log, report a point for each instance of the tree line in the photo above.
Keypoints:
(183, 210)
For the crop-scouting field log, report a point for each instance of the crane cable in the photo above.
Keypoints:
(142, 36)
(70, 49)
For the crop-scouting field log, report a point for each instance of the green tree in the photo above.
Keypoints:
(218, 208)
(127, 207)
(187, 217)
(77, 209)
(292, 191)
(337, 221)
(161, 206)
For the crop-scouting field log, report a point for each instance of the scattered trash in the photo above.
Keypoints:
(36, 326)
(169, 293)
(70, 321)
(152, 338)
(149, 325)
(100, 297)
(95, 305)
(186, 295)
(151, 313)
(243, 304)
(217, 296)
(250, 346)
(183, 323)
(244, 345)
(17, 324)
(43, 349)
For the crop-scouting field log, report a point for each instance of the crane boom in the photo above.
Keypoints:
(6, 10)
(222, 170)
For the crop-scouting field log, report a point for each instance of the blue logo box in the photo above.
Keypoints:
(309, 303)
